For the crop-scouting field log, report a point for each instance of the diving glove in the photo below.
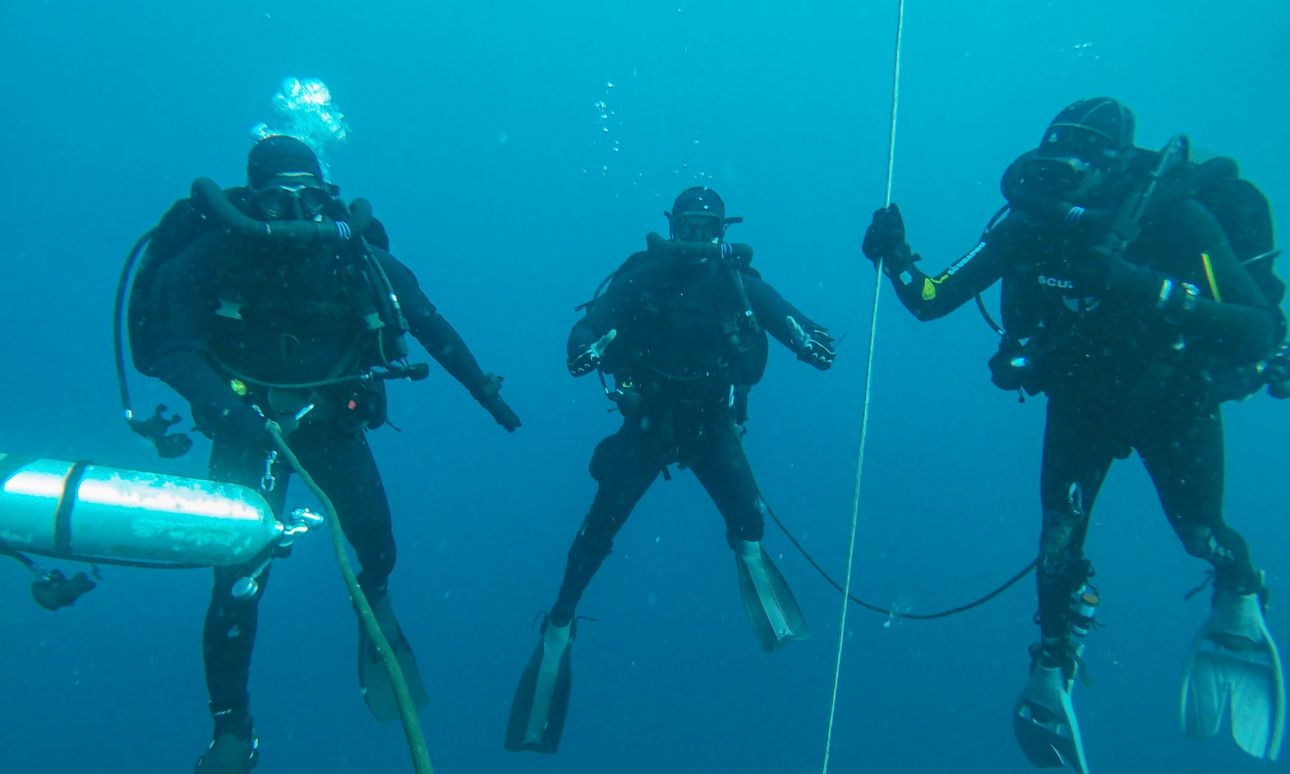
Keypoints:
(589, 359)
(1276, 373)
(884, 240)
(1103, 272)
(815, 346)
(490, 397)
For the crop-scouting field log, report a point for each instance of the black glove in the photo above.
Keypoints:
(885, 238)
(502, 413)
(815, 346)
(157, 429)
(490, 397)
(1276, 373)
(1104, 273)
(588, 359)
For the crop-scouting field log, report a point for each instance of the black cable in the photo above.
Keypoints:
(118, 321)
(70, 557)
(894, 613)
(23, 560)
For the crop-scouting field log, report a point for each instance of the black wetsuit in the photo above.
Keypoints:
(232, 313)
(1119, 376)
(685, 356)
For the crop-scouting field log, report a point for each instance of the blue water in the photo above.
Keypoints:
(477, 136)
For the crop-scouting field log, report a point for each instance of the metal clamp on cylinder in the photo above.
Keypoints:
(298, 523)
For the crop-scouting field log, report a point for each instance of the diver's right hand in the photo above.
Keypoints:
(588, 359)
(885, 237)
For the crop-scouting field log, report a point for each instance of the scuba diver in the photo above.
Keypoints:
(1125, 301)
(681, 328)
(254, 322)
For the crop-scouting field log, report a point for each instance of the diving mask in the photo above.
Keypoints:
(292, 197)
(697, 227)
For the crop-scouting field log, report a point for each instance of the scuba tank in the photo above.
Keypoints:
(93, 513)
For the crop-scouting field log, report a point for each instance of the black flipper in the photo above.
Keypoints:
(229, 754)
(373, 682)
(772, 609)
(542, 696)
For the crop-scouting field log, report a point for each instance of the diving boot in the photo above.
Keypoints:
(542, 696)
(1233, 666)
(1044, 718)
(234, 747)
(373, 680)
(772, 610)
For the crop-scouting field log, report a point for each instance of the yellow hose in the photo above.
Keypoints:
(407, 710)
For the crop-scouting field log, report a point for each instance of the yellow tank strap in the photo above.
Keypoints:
(1209, 277)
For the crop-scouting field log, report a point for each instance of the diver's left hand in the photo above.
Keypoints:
(489, 395)
(502, 413)
(1103, 272)
(815, 346)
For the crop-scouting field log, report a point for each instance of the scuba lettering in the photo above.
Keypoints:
(1240, 209)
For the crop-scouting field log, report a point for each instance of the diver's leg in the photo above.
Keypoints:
(1077, 453)
(341, 463)
(624, 465)
(1184, 457)
(717, 458)
(718, 461)
(229, 634)
(1078, 449)
(1233, 667)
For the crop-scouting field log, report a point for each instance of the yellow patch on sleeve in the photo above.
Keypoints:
(1209, 276)
(929, 289)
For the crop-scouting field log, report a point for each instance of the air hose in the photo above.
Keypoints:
(963, 608)
(407, 709)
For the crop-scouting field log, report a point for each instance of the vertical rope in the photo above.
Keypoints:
(868, 393)
(402, 697)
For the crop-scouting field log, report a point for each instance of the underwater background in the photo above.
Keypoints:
(512, 177)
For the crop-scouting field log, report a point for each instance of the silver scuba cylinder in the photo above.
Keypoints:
(76, 510)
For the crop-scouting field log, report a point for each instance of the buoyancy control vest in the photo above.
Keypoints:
(1162, 182)
(212, 213)
(724, 350)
